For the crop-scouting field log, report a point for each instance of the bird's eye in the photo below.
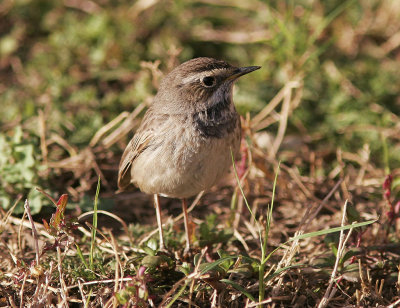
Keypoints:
(208, 81)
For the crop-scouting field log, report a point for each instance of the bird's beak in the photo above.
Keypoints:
(243, 71)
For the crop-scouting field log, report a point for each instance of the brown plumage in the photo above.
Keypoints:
(184, 143)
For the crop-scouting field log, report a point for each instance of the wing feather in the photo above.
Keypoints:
(143, 137)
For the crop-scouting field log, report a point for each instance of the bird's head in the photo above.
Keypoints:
(198, 84)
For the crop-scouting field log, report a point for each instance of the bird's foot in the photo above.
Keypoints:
(187, 253)
(163, 250)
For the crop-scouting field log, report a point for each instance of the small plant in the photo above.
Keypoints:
(394, 207)
(210, 235)
(135, 292)
(20, 170)
(58, 224)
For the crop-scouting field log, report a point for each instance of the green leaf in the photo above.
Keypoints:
(239, 288)
(212, 265)
(327, 231)
(94, 228)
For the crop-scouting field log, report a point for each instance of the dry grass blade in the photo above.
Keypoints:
(123, 223)
(22, 223)
(395, 304)
(21, 292)
(325, 103)
(119, 269)
(308, 217)
(282, 123)
(196, 274)
(125, 128)
(331, 290)
(63, 286)
(99, 134)
(239, 37)
(256, 122)
(34, 232)
(8, 214)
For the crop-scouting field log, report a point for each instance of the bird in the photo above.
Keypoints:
(186, 138)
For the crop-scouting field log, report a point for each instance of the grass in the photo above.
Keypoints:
(75, 80)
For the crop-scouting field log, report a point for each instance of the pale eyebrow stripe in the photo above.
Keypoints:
(191, 78)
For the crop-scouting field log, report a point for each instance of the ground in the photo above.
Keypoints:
(320, 152)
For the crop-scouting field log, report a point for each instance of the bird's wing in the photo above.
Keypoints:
(143, 137)
(137, 145)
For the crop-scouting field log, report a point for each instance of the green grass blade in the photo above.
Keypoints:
(318, 233)
(385, 153)
(94, 228)
(243, 195)
(239, 288)
(88, 298)
(269, 215)
(261, 273)
(331, 230)
(79, 252)
(278, 271)
(214, 264)
(177, 295)
(328, 19)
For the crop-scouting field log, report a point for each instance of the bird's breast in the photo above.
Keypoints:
(190, 156)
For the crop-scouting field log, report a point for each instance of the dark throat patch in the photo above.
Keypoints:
(216, 121)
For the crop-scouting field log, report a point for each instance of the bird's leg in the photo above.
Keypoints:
(159, 223)
(186, 222)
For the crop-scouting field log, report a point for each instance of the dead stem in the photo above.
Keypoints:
(123, 223)
(63, 288)
(331, 290)
(21, 292)
(34, 232)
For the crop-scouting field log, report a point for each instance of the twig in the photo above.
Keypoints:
(214, 299)
(64, 144)
(195, 272)
(296, 177)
